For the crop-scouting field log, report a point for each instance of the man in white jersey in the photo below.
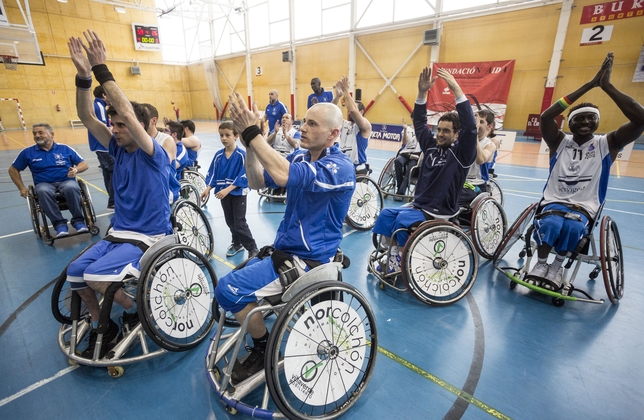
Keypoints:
(285, 138)
(356, 129)
(407, 158)
(579, 170)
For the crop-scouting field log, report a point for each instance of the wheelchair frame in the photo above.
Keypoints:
(192, 226)
(39, 218)
(341, 327)
(609, 260)
(387, 179)
(180, 282)
(366, 202)
(192, 175)
(269, 194)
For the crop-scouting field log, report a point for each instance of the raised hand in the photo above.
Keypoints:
(344, 83)
(96, 49)
(83, 67)
(425, 80)
(451, 82)
(277, 126)
(607, 67)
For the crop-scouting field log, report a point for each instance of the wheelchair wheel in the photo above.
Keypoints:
(366, 203)
(495, 190)
(198, 180)
(88, 208)
(193, 227)
(176, 298)
(488, 226)
(387, 179)
(189, 192)
(321, 353)
(516, 231)
(61, 296)
(33, 211)
(439, 264)
(612, 259)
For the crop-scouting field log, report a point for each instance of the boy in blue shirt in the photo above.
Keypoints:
(227, 175)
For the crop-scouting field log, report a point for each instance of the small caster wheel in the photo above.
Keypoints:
(593, 274)
(94, 230)
(115, 371)
(522, 254)
(49, 241)
(381, 285)
(217, 374)
(558, 302)
(513, 285)
(231, 410)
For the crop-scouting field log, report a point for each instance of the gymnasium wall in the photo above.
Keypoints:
(526, 36)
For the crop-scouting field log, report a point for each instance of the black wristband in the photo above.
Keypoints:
(250, 133)
(84, 83)
(102, 74)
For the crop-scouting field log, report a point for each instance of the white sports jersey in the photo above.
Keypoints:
(281, 144)
(475, 176)
(579, 174)
(412, 146)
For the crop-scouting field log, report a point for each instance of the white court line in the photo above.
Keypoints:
(349, 233)
(38, 385)
(626, 212)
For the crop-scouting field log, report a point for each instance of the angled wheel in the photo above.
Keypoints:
(387, 178)
(366, 203)
(189, 192)
(516, 231)
(176, 298)
(439, 263)
(612, 259)
(495, 190)
(198, 180)
(321, 354)
(88, 208)
(193, 227)
(33, 211)
(488, 226)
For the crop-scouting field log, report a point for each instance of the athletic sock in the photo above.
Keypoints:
(261, 342)
(542, 260)
(132, 310)
(559, 259)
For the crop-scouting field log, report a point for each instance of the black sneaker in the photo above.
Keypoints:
(128, 323)
(108, 337)
(253, 363)
(253, 253)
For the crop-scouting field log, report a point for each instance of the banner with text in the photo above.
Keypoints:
(486, 84)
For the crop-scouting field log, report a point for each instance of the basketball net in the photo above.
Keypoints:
(10, 62)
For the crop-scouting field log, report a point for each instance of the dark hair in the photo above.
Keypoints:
(582, 105)
(99, 92)
(152, 110)
(189, 125)
(360, 106)
(228, 125)
(141, 112)
(176, 128)
(453, 117)
(487, 115)
(47, 127)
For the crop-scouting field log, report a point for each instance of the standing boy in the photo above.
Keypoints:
(227, 175)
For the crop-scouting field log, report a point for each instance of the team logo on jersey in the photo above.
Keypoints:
(60, 159)
(333, 167)
(591, 148)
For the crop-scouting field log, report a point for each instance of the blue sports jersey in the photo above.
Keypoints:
(192, 156)
(225, 171)
(141, 190)
(444, 170)
(275, 113)
(323, 97)
(182, 159)
(47, 165)
(319, 195)
(99, 111)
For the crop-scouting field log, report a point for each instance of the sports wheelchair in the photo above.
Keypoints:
(191, 175)
(176, 308)
(366, 201)
(273, 194)
(387, 180)
(192, 226)
(609, 260)
(320, 355)
(494, 188)
(39, 219)
(439, 262)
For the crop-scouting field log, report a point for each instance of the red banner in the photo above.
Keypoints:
(612, 10)
(486, 84)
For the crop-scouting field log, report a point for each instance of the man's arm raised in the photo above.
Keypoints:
(96, 55)
(84, 101)
(352, 109)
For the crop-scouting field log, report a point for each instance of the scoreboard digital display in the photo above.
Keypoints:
(146, 37)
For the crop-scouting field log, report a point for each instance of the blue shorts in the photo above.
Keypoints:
(560, 232)
(392, 219)
(106, 261)
(256, 280)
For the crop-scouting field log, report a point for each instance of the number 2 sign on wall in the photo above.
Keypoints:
(596, 35)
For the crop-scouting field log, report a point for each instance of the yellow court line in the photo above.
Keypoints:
(617, 167)
(445, 385)
(221, 260)
(89, 183)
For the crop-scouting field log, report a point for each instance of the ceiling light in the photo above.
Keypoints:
(119, 9)
(62, 1)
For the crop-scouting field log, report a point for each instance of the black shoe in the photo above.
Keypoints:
(253, 363)
(128, 323)
(253, 253)
(108, 337)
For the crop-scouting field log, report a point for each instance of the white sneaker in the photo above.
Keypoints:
(537, 274)
(394, 263)
(553, 280)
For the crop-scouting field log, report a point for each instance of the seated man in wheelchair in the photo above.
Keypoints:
(54, 167)
(579, 170)
(285, 139)
(356, 129)
(478, 176)
(407, 158)
(447, 160)
(320, 184)
(182, 160)
(141, 189)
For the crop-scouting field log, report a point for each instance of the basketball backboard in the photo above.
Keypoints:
(18, 37)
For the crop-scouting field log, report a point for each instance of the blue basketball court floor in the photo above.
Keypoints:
(498, 353)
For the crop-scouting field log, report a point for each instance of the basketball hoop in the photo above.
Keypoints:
(10, 62)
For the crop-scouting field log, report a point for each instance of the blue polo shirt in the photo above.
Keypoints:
(47, 165)
(323, 97)
(275, 113)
